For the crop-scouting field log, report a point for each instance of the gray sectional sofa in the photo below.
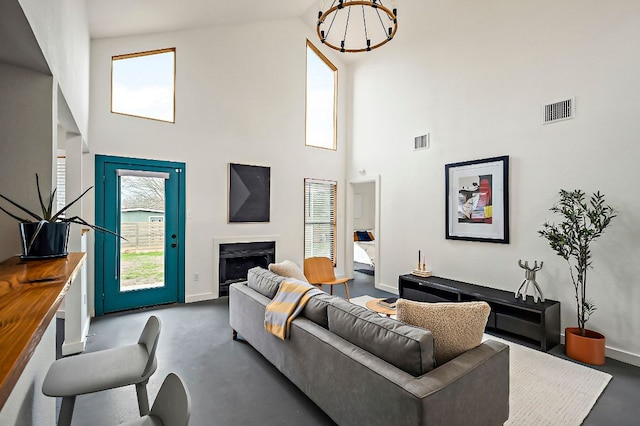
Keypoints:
(361, 368)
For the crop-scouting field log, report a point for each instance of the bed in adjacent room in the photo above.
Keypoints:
(364, 251)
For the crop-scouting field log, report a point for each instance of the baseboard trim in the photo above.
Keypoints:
(191, 298)
(623, 356)
(617, 354)
(85, 328)
(73, 348)
(387, 288)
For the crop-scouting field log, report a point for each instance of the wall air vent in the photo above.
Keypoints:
(559, 111)
(421, 142)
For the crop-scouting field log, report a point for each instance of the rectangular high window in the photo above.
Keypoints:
(143, 84)
(320, 218)
(321, 100)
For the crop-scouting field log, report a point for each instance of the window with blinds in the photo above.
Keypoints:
(61, 176)
(320, 218)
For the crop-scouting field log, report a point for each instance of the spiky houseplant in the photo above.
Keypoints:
(583, 222)
(47, 215)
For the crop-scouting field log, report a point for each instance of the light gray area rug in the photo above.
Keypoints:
(544, 389)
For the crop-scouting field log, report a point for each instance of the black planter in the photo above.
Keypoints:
(50, 242)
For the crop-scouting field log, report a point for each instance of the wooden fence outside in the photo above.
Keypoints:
(142, 237)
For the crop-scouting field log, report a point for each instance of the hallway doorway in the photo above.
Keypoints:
(365, 227)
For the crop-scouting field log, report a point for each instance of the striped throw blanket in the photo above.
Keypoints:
(288, 302)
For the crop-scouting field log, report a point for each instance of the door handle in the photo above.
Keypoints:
(173, 245)
(173, 235)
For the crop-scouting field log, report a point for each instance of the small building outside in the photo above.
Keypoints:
(142, 215)
(143, 230)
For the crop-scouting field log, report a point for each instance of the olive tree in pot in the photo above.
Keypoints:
(46, 235)
(583, 222)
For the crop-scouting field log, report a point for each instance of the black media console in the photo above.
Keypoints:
(537, 324)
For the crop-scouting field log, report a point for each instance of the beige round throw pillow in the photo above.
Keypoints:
(456, 327)
(288, 269)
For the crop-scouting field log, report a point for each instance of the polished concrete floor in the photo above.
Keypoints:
(232, 384)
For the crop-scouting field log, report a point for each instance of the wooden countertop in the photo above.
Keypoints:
(30, 293)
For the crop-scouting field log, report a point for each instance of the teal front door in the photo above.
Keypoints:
(142, 201)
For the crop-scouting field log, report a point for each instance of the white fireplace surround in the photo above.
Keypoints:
(234, 240)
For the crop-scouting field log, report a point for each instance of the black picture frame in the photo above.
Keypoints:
(249, 193)
(477, 200)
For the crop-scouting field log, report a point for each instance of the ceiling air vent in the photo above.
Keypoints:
(559, 111)
(421, 142)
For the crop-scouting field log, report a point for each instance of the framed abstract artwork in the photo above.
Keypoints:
(249, 193)
(477, 200)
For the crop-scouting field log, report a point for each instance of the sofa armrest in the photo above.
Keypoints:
(447, 374)
(470, 389)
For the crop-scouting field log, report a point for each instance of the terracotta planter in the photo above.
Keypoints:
(588, 348)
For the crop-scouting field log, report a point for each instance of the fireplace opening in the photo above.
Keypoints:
(237, 258)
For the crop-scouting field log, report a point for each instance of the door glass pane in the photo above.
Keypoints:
(142, 224)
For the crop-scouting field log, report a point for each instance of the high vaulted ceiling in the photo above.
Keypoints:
(114, 18)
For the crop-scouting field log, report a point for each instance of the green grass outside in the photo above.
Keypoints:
(142, 267)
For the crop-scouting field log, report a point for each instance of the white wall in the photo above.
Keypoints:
(29, 103)
(62, 30)
(240, 97)
(475, 75)
(366, 192)
(25, 145)
(26, 404)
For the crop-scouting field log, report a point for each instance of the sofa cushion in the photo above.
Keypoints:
(408, 348)
(456, 327)
(288, 269)
(263, 281)
(316, 309)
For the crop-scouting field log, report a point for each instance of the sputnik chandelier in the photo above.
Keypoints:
(357, 26)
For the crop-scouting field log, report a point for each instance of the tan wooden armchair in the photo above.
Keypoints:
(319, 271)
